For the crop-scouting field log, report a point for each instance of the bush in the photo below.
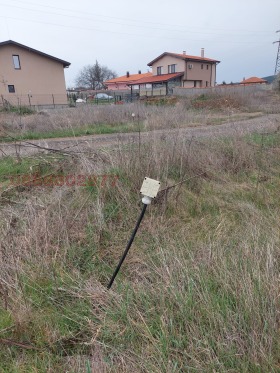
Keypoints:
(20, 110)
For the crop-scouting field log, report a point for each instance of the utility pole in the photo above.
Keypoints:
(277, 65)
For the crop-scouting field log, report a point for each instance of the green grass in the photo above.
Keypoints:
(20, 110)
(267, 140)
(15, 171)
(10, 166)
(198, 291)
(96, 129)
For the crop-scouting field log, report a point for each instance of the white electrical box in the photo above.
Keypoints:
(150, 187)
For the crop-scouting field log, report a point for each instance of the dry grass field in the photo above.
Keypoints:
(199, 290)
(154, 114)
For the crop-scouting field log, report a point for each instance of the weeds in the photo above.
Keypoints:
(198, 291)
(156, 114)
(21, 110)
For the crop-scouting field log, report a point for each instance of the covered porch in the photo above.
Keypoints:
(157, 85)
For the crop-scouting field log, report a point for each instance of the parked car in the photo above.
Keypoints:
(103, 96)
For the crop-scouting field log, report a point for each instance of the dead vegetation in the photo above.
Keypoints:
(158, 113)
(199, 289)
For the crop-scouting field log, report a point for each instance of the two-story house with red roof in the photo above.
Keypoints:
(171, 70)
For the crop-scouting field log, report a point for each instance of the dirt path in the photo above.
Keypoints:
(267, 123)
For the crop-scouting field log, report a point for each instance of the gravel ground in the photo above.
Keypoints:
(266, 123)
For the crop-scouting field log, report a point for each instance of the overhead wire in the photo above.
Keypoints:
(134, 20)
(126, 33)
(121, 24)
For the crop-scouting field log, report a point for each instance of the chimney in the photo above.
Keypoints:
(202, 52)
(127, 74)
(139, 71)
(184, 52)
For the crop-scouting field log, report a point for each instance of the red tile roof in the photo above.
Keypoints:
(157, 78)
(184, 57)
(253, 80)
(131, 78)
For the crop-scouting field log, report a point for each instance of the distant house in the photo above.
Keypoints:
(30, 77)
(124, 82)
(181, 70)
(253, 80)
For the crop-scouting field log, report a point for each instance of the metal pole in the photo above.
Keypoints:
(128, 246)
(277, 65)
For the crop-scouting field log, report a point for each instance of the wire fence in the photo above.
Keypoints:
(38, 101)
(34, 100)
(52, 101)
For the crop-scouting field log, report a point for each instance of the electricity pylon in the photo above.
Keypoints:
(277, 65)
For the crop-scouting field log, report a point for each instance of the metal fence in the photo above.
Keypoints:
(34, 100)
(49, 101)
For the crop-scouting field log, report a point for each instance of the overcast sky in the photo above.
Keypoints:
(125, 35)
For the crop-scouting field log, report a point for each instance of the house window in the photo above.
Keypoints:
(202, 66)
(207, 67)
(171, 69)
(11, 88)
(16, 61)
(159, 70)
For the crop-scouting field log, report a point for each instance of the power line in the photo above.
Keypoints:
(73, 27)
(251, 32)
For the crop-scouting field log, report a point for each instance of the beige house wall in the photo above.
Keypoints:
(188, 84)
(196, 73)
(38, 76)
(168, 60)
(203, 77)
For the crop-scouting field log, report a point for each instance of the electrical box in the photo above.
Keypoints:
(150, 187)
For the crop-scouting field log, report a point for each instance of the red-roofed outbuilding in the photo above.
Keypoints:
(253, 80)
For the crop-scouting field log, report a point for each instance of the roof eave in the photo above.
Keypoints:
(182, 58)
(157, 58)
(64, 63)
(137, 82)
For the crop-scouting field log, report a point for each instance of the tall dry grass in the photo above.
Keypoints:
(183, 112)
(199, 289)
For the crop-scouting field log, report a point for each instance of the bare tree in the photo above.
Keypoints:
(94, 76)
